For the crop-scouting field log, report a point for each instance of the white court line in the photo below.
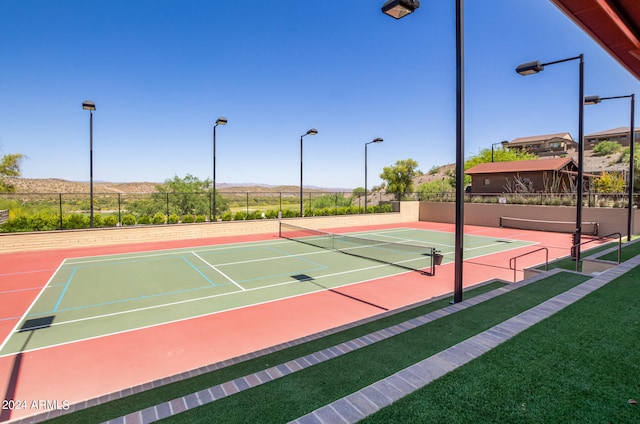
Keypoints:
(26, 312)
(219, 272)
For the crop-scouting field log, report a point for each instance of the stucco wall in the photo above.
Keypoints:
(610, 220)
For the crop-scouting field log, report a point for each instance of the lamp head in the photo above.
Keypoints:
(312, 131)
(88, 105)
(400, 8)
(377, 140)
(221, 121)
(592, 100)
(530, 68)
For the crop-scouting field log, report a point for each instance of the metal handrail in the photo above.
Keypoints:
(513, 264)
(573, 248)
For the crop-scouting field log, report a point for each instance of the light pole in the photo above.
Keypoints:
(220, 121)
(531, 68)
(398, 9)
(90, 106)
(503, 143)
(376, 140)
(592, 100)
(312, 131)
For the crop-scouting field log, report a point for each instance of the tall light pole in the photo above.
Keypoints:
(398, 9)
(376, 140)
(220, 121)
(90, 106)
(503, 143)
(592, 100)
(312, 131)
(531, 68)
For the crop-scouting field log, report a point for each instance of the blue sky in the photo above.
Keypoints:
(160, 72)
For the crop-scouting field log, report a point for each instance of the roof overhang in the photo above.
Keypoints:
(614, 24)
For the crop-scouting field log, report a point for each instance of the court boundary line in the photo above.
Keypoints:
(195, 316)
(208, 248)
(219, 272)
(25, 314)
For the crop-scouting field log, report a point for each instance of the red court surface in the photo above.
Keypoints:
(74, 372)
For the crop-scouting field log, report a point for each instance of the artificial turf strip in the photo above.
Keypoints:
(581, 365)
(297, 394)
(126, 405)
(629, 251)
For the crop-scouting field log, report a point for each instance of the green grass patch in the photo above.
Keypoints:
(629, 250)
(579, 365)
(145, 399)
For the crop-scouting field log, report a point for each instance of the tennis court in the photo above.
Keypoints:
(90, 297)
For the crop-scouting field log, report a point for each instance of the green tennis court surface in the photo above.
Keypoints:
(95, 296)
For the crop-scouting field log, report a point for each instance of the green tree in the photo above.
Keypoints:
(181, 196)
(486, 155)
(9, 167)
(399, 178)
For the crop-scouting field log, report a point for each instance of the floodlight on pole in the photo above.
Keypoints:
(592, 100)
(535, 67)
(398, 9)
(376, 140)
(90, 106)
(312, 131)
(220, 121)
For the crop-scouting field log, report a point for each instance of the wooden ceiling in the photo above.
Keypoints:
(614, 24)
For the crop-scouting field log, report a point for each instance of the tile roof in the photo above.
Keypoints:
(534, 165)
(619, 130)
(544, 137)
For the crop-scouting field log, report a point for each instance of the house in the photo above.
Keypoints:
(545, 145)
(539, 175)
(619, 135)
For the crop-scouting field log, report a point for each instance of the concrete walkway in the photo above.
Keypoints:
(372, 398)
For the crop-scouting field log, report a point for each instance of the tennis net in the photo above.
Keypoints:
(404, 255)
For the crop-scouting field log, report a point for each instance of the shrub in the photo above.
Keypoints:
(605, 148)
(188, 219)
(129, 219)
(144, 220)
(201, 218)
(239, 216)
(227, 216)
(75, 221)
(110, 221)
(159, 218)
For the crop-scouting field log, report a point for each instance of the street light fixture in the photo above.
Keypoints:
(592, 100)
(312, 131)
(398, 9)
(503, 143)
(90, 106)
(531, 68)
(376, 140)
(220, 121)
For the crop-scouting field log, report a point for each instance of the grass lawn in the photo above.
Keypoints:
(299, 393)
(580, 365)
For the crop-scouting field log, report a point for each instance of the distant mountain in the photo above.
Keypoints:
(56, 185)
